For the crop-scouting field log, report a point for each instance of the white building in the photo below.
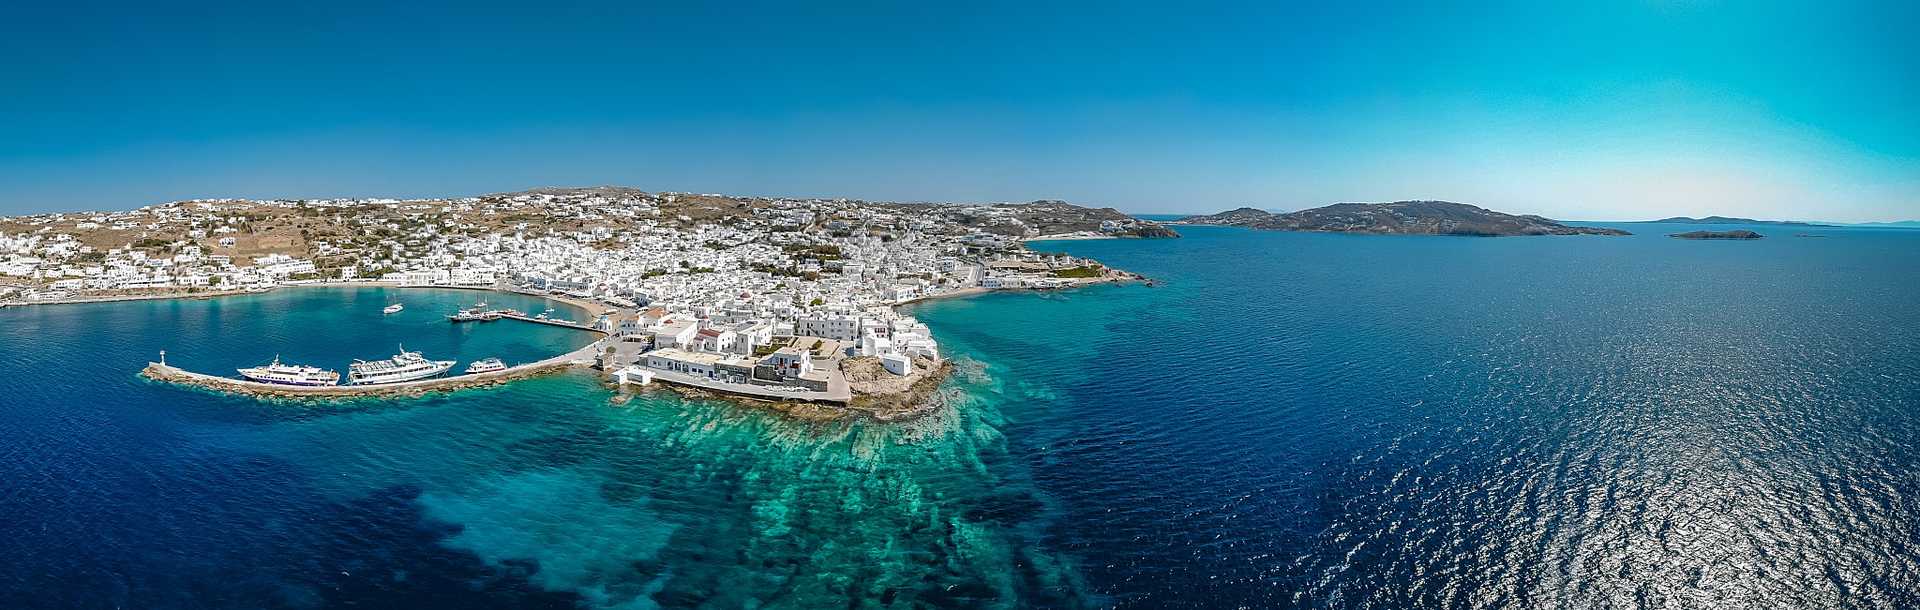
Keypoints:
(839, 327)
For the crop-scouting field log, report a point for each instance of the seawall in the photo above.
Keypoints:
(580, 357)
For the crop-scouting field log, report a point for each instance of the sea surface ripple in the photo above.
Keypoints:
(1285, 420)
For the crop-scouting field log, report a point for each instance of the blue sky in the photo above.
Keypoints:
(1580, 111)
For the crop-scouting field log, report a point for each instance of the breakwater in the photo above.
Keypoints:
(161, 371)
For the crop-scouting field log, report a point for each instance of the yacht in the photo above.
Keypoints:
(290, 374)
(477, 313)
(404, 366)
(486, 366)
(469, 316)
(393, 309)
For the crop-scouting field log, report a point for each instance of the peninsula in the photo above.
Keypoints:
(789, 300)
(1398, 218)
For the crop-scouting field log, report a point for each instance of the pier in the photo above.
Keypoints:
(585, 356)
(547, 321)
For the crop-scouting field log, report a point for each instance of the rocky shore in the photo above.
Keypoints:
(878, 395)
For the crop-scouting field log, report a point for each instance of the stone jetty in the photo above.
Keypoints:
(585, 356)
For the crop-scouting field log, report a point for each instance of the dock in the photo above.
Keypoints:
(585, 356)
(547, 321)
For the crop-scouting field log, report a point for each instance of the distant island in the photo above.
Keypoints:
(1728, 220)
(1398, 218)
(1903, 224)
(1737, 234)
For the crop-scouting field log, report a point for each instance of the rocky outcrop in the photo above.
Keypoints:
(890, 397)
(1736, 234)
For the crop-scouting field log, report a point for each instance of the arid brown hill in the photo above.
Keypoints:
(1400, 217)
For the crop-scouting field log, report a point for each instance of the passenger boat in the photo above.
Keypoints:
(477, 313)
(404, 366)
(486, 366)
(291, 374)
(393, 309)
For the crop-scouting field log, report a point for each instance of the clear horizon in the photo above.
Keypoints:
(1772, 111)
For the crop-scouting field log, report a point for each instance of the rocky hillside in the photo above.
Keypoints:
(1401, 218)
(1239, 217)
(1043, 217)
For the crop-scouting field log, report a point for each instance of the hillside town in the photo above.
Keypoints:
(743, 290)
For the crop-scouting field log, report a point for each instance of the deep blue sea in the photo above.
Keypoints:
(1284, 420)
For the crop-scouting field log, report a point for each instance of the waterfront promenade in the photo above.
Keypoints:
(838, 391)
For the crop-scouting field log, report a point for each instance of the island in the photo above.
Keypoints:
(1735, 234)
(1897, 224)
(1398, 218)
(778, 301)
(1728, 220)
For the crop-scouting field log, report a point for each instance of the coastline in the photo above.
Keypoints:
(912, 402)
(133, 297)
(888, 407)
(588, 307)
(1082, 236)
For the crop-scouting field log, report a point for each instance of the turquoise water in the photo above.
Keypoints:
(1286, 420)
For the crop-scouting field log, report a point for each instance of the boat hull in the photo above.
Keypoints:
(486, 366)
(305, 383)
(439, 367)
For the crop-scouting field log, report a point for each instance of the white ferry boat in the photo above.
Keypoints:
(477, 313)
(486, 366)
(404, 366)
(291, 374)
(393, 309)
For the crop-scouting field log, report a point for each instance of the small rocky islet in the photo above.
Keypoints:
(1734, 234)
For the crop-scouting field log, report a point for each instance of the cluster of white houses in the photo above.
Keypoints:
(757, 296)
(772, 351)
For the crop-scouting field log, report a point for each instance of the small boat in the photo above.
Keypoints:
(291, 374)
(393, 309)
(486, 366)
(405, 366)
(477, 313)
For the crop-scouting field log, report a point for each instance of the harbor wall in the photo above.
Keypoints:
(580, 357)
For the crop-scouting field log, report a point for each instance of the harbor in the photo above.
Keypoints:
(672, 350)
(407, 373)
(161, 371)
